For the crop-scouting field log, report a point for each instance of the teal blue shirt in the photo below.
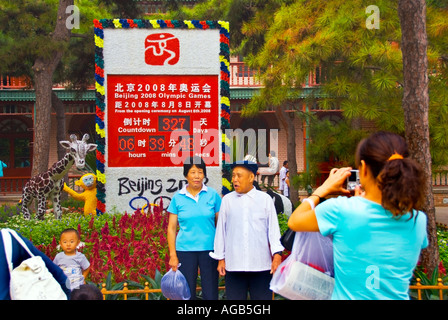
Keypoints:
(2, 165)
(374, 253)
(196, 217)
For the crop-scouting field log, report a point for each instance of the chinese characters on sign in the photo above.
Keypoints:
(158, 120)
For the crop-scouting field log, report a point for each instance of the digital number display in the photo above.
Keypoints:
(186, 143)
(157, 120)
(126, 143)
(156, 143)
(171, 123)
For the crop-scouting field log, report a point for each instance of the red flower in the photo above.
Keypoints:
(134, 244)
(91, 223)
(442, 270)
(54, 243)
(114, 225)
(105, 229)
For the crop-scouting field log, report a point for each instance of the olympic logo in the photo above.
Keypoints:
(161, 49)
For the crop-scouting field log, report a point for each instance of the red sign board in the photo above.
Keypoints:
(158, 120)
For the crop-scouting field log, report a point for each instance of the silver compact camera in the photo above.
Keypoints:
(353, 180)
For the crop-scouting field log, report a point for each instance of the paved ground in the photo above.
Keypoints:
(442, 215)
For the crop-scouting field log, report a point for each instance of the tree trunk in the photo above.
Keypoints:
(415, 104)
(288, 124)
(44, 68)
(42, 121)
(59, 108)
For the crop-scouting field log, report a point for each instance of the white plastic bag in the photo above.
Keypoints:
(174, 286)
(31, 280)
(307, 274)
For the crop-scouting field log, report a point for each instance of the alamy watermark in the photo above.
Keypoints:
(373, 280)
(239, 144)
(72, 21)
(373, 20)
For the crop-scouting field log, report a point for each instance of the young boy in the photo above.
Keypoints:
(74, 264)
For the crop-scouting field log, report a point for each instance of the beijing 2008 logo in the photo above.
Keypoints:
(161, 49)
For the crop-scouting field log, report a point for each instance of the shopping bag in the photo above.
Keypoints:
(308, 272)
(174, 286)
(31, 280)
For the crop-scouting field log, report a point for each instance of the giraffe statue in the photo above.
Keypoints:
(49, 184)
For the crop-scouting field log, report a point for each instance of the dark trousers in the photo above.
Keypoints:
(190, 262)
(238, 284)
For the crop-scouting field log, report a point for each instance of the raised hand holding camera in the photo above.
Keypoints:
(353, 180)
(334, 183)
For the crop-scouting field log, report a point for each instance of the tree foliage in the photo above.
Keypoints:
(35, 38)
(26, 30)
(23, 35)
(362, 68)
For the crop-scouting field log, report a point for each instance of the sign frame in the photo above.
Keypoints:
(101, 100)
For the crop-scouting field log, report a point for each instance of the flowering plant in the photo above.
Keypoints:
(127, 246)
(430, 280)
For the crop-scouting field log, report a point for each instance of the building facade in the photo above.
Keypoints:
(17, 103)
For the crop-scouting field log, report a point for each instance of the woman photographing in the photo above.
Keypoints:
(377, 234)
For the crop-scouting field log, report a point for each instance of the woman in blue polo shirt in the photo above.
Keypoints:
(195, 208)
(378, 234)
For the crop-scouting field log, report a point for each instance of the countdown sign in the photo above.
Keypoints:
(159, 120)
(162, 94)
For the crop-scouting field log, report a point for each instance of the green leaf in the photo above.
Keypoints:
(382, 81)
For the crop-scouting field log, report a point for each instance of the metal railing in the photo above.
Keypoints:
(145, 291)
(7, 82)
(240, 76)
(440, 178)
(440, 287)
(14, 185)
(22, 82)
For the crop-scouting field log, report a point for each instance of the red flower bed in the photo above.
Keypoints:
(129, 245)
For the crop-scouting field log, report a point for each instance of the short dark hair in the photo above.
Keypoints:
(285, 162)
(70, 230)
(86, 292)
(198, 162)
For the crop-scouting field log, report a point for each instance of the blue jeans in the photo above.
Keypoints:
(190, 262)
